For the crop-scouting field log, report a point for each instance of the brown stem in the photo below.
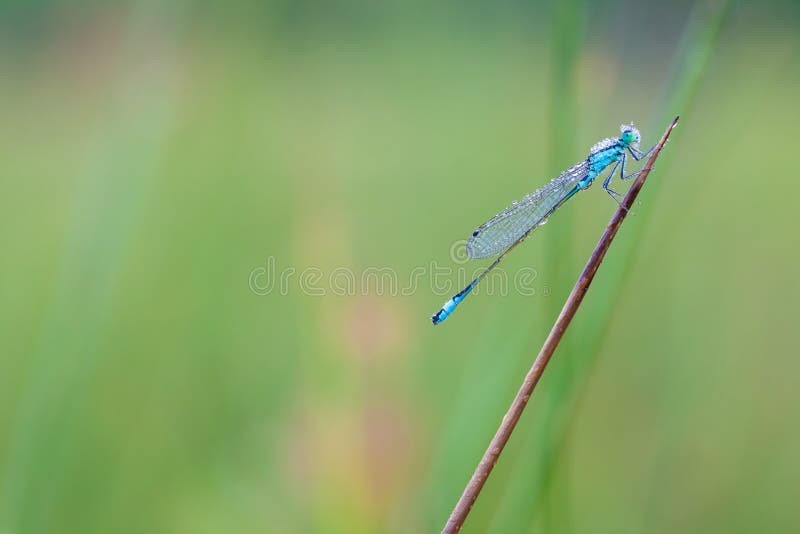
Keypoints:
(487, 463)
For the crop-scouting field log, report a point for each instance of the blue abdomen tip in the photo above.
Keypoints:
(451, 304)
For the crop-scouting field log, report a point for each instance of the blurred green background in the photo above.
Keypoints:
(160, 159)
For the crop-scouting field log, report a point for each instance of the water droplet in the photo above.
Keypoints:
(543, 222)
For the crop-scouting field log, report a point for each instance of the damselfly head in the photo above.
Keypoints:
(630, 135)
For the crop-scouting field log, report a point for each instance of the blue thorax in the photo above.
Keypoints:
(602, 154)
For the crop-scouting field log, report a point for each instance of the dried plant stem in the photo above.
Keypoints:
(501, 437)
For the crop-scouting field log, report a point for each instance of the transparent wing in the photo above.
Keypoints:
(501, 231)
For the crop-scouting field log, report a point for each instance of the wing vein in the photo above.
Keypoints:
(520, 218)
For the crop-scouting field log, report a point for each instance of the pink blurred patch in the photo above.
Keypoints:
(373, 329)
(389, 451)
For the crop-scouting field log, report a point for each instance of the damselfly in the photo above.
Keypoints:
(500, 234)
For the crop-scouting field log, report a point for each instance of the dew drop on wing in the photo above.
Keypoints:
(542, 222)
